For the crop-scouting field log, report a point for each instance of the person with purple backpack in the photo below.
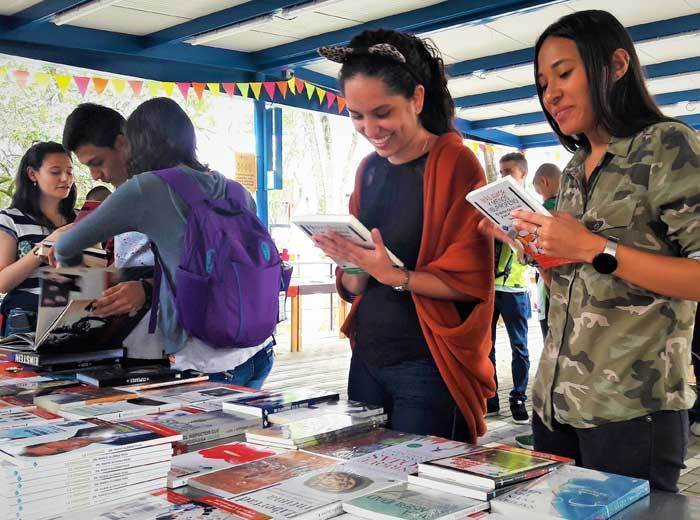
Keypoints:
(219, 271)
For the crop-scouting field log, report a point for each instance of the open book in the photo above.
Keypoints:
(497, 200)
(346, 226)
(92, 256)
(65, 320)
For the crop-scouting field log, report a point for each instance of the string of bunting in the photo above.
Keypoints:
(273, 90)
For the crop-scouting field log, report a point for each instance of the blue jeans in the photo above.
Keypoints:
(251, 373)
(515, 309)
(412, 393)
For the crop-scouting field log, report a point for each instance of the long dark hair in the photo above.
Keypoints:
(423, 66)
(27, 195)
(622, 107)
(161, 136)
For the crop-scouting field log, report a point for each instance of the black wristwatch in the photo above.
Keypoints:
(606, 262)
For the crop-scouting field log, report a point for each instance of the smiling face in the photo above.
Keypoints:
(388, 121)
(55, 176)
(564, 83)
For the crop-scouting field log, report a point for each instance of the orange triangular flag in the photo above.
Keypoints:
(63, 81)
(257, 87)
(82, 82)
(199, 89)
(300, 85)
(341, 104)
(310, 90)
(99, 84)
(282, 86)
(244, 87)
(184, 89)
(21, 77)
(41, 79)
(230, 88)
(136, 86)
(270, 89)
(214, 88)
(168, 87)
(292, 85)
(330, 97)
(321, 94)
(118, 85)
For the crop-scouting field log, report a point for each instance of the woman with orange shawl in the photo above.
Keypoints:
(420, 335)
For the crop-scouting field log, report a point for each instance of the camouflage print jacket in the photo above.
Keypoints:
(616, 351)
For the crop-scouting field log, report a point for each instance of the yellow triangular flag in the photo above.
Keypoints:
(119, 85)
(310, 90)
(153, 88)
(168, 87)
(244, 87)
(3, 70)
(214, 88)
(257, 87)
(292, 86)
(62, 81)
(41, 79)
(321, 94)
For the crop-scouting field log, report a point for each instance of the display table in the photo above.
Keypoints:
(299, 288)
(662, 506)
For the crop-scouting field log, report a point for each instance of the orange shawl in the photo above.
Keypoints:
(453, 250)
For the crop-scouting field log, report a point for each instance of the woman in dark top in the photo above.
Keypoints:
(396, 93)
(43, 203)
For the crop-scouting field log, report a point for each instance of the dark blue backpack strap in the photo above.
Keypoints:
(183, 184)
(157, 277)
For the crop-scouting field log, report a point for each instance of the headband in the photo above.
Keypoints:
(341, 54)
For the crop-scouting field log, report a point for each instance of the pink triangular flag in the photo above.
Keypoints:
(82, 83)
(184, 89)
(136, 86)
(21, 77)
(270, 89)
(230, 88)
(299, 84)
(330, 97)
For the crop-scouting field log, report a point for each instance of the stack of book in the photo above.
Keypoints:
(361, 443)
(22, 393)
(484, 472)
(203, 394)
(143, 376)
(338, 406)
(73, 465)
(63, 399)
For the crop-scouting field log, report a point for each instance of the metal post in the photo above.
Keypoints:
(261, 154)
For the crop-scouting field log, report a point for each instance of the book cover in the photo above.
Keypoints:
(54, 361)
(133, 375)
(411, 502)
(208, 460)
(493, 465)
(259, 474)
(95, 256)
(199, 392)
(271, 403)
(573, 493)
(26, 417)
(9, 371)
(22, 395)
(346, 226)
(317, 495)
(82, 395)
(455, 488)
(134, 407)
(497, 200)
(361, 443)
(339, 406)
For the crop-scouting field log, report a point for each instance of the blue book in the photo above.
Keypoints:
(571, 493)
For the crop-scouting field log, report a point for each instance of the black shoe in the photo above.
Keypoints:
(520, 415)
(493, 407)
(525, 441)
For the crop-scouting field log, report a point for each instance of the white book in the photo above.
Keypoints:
(450, 486)
(135, 407)
(196, 393)
(315, 496)
(340, 406)
(347, 226)
(26, 417)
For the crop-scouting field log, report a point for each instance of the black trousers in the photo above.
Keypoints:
(652, 447)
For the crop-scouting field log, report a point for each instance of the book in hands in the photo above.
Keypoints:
(347, 226)
(92, 256)
(498, 200)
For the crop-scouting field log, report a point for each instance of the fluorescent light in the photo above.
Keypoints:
(284, 14)
(70, 15)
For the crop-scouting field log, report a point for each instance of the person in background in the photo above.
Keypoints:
(96, 135)
(98, 193)
(162, 136)
(42, 207)
(612, 388)
(512, 302)
(420, 334)
(546, 183)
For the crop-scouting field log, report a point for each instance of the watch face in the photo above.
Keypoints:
(605, 263)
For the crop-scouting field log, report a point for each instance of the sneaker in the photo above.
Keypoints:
(695, 429)
(493, 407)
(525, 441)
(520, 415)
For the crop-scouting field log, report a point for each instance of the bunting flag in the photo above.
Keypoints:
(282, 87)
(310, 90)
(184, 89)
(243, 87)
(199, 89)
(341, 104)
(119, 85)
(21, 77)
(292, 86)
(330, 97)
(321, 94)
(270, 89)
(214, 88)
(168, 88)
(230, 88)
(299, 84)
(99, 84)
(136, 86)
(42, 79)
(82, 82)
(3, 70)
(62, 81)
(256, 87)
(153, 88)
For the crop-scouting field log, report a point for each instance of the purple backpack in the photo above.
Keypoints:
(229, 277)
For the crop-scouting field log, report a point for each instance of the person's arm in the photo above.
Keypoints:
(12, 271)
(120, 212)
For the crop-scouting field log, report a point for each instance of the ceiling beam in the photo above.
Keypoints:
(42, 12)
(432, 18)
